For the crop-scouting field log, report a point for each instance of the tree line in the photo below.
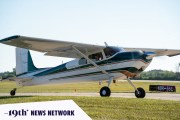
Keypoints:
(146, 75)
(158, 75)
(7, 74)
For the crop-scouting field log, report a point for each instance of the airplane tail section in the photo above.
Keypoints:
(24, 61)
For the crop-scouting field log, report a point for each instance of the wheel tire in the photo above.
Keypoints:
(141, 94)
(13, 92)
(105, 92)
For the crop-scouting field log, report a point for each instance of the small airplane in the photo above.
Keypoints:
(91, 63)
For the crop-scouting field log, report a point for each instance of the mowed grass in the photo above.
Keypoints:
(103, 108)
(120, 86)
(113, 108)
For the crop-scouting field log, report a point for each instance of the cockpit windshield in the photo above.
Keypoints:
(110, 51)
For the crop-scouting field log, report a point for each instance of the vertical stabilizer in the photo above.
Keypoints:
(24, 61)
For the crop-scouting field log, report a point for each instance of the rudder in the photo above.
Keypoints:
(24, 61)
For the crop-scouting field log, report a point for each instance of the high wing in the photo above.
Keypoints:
(51, 47)
(156, 52)
(65, 49)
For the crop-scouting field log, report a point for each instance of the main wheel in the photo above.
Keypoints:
(13, 92)
(105, 92)
(141, 93)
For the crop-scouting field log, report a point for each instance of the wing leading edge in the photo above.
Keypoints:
(64, 48)
(51, 47)
(156, 52)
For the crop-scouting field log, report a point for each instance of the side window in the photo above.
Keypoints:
(107, 52)
(96, 57)
(110, 51)
(82, 61)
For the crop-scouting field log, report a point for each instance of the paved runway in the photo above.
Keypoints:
(160, 96)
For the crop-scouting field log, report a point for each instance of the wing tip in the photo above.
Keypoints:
(10, 38)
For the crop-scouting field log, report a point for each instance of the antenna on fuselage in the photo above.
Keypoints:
(106, 44)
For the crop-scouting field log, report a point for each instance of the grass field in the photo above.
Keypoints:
(103, 108)
(120, 86)
(114, 108)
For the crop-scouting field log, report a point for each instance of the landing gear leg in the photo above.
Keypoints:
(139, 92)
(106, 91)
(13, 92)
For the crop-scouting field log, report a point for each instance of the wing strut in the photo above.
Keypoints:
(93, 63)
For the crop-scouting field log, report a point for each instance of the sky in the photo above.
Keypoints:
(123, 23)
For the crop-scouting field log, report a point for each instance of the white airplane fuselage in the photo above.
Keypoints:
(116, 66)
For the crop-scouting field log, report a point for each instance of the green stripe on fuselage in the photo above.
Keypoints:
(56, 69)
(129, 69)
(120, 57)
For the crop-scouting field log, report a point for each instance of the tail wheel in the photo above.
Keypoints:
(140, 93)
(13, 92)
(105, 92)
